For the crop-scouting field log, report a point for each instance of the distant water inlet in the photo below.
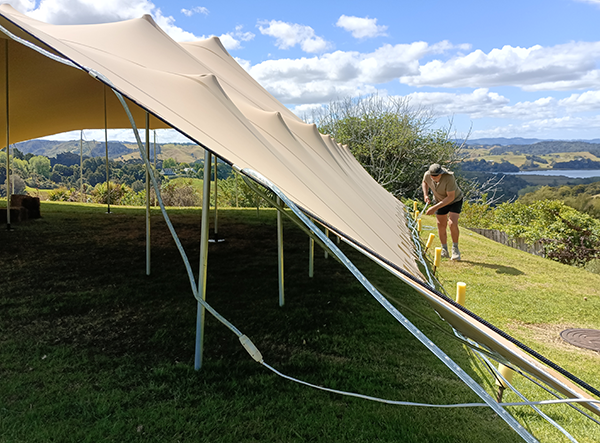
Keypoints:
(570, 173)
(518, 243)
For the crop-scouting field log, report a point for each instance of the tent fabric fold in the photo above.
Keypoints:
(201, 91)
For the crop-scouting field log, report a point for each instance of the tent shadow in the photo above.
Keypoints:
(499, 268)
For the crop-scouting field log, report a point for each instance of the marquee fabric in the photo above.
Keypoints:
(201, 91)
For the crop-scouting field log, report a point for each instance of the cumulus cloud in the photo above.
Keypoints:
(195, 10)
(339, 73)
(232, 40)
(70, 12)
(567, 66)
(361, 27)
(288, 35)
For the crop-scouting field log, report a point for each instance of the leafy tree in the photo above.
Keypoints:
(169, 163)
(40, 165)
(393, 141)
(568, 236)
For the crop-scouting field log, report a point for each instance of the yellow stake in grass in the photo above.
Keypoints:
(414, 206)
(429, 241)
(461, 293)
(507, 373)
(437, 259)
(419, 225)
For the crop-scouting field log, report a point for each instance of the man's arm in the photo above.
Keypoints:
(446, 201)
(425, 187)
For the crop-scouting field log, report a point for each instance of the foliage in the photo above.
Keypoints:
(234, 192)
(40, 165)
(568, 236)
(584, 198)
(482, 165)
(169, 163)
(393, 141)
(64, 194)
(118, 192)
(476, 214)
(18, 185)
(180, 193)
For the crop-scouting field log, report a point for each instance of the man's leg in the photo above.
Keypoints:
(454, 233)
(453, 223)
(442, 222)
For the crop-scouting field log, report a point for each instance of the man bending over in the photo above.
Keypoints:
(448, 200)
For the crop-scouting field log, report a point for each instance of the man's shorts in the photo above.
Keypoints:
(455, 207)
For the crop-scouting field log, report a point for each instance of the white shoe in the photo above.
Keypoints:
(455, 253)
(445, 253)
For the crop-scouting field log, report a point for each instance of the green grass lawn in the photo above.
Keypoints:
(92, 349)
(533, 299)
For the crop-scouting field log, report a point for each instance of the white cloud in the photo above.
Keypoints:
(568, 66)
(70, 12)
(559, 127)
(195, 10)
(593, 2)
(232, 40)
(361, 27)
(288, 35)
(588, 101)
(338, 74)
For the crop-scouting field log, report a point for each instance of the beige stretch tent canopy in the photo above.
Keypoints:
(198, 89)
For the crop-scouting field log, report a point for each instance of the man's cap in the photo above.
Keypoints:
(436, 169)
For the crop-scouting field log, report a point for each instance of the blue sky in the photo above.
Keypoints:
(526, 68)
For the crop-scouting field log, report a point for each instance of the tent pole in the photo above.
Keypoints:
(81, 165)
(311, 257)
(8, 190)
(106, 148)
(216, 207)
(203, 261)
(147, 194)
(327, 234)
(280, 253)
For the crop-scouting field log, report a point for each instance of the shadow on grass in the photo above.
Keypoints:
(500, 269)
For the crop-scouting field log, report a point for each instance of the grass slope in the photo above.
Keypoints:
(533, 299)
(92, 349)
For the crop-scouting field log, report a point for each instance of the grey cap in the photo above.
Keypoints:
(436, 169)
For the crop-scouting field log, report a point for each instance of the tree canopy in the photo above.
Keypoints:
(392, 140)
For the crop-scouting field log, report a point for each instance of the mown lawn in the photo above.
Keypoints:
(92, 349)
(533, 299)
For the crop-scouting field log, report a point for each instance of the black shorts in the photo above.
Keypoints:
(455, 207)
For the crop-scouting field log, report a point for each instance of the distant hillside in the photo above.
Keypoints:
(51, 148)
(182, 152)
(517, 141)
(548, 147)
(502, 141)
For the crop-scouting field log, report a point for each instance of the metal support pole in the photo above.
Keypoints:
(154, 149)
(106, 147)
(203, 261)
(327, 234)
(280, 253)
(216, 206)
(8, 190)
(81, 165)
(311, 257)
(147, 194)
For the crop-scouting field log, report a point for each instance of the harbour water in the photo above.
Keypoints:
(574, 173)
